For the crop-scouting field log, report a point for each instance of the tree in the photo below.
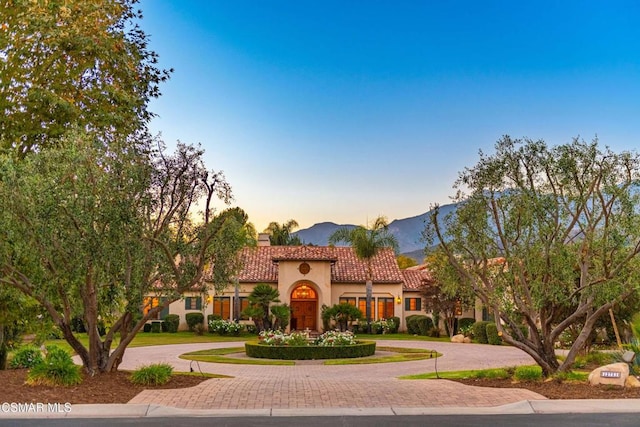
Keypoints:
(547, 237)
(280, 234)
(282, 315)
(343, 314)
(261, 298)
(91, 231)
(367, 242)
(73, 63)
(405, 262)
(443, 295)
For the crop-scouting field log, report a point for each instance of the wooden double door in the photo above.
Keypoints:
(304, 315)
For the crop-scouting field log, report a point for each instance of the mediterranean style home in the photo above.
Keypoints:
(310, 277)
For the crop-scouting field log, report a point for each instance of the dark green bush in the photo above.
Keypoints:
(26, 357)
(194, 319)
(77, 325)
(425, 324)
(172, 322)
(412, 324)
(434, 332)
(363, 349)
(156, 326)
(156, 374)
(480, 332)
(492, 334)
(146, 327)
(56, 369)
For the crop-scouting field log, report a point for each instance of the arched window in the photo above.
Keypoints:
(303, 292)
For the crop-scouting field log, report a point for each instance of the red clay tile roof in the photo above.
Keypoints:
(415, 278)
(260, 263)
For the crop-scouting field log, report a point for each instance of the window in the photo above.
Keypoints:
(413, 304)
(348, 300)
(192, 303)
(385, 308)
(244, 303)
(222, 307)
(362, 305)
(152, 302)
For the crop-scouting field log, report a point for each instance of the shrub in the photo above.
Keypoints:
(194, 319)
(156, 374)
(199, 329)
(210, 318)
(412, 325)
(171, 322)
(434, 332)
(146, 327)
(361, 349)
(480, 332)
(528, 373)
(425, 324)
(26, 357)
(465, 326)
(380, 326)
(77, 325)
(396, 325)
(225, 327)
(492, 334)
(56, 369)
(156, 326)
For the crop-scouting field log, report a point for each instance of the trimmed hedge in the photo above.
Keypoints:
(425, 324)
(413, 326)
(171, 323)
(492, 334)
(194, 319)
(480, 332)
(261, 351)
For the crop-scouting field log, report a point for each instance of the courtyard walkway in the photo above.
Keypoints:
(312, 385)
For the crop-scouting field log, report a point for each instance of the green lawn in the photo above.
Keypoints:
(404, 355)
(485, 373)
(217, 355)
(145, 339)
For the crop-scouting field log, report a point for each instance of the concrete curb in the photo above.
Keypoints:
(155, 411)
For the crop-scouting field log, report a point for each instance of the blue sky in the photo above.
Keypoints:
(345, 110)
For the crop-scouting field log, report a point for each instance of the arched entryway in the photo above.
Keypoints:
(304, 308)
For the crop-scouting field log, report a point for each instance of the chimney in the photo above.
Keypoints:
(263, 239)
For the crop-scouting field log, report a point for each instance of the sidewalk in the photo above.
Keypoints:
(157, 411)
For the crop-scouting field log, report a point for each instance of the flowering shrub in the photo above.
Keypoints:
(335, 339)
(382, 326)
(277, 338)
(467, 330)
(225, 327)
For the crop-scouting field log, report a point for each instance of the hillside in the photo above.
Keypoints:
(408, 231)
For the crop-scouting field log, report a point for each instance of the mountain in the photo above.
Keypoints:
(408, 231)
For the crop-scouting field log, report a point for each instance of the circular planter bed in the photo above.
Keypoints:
(263, 351)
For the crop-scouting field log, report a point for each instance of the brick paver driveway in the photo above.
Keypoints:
(313, 385)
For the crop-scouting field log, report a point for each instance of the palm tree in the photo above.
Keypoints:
(260, 299)
(280, 235)
(367, 242)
